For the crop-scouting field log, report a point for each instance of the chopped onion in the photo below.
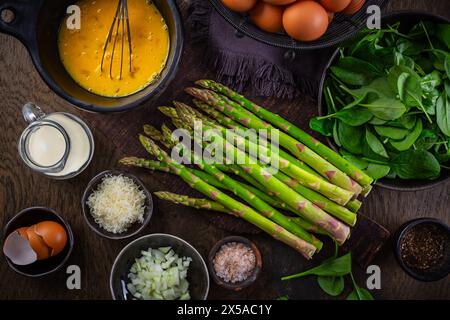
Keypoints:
(159, 274)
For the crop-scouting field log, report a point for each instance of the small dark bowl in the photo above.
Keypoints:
(407, 19)
(133, 229)
(197, 274)
(27, 218)
(239, 285)
(433, 274)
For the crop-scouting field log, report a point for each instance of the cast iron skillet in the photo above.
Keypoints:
(36, 24)
(407, 19)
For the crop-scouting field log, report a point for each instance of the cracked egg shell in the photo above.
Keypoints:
(23, 232)
(18, 249)
(38, 244)
(53, 234)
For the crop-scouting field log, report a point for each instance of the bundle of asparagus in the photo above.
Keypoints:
(313, 182)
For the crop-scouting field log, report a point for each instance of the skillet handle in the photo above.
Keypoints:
(24, 19)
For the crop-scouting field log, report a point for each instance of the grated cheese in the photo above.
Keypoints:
(117, 203)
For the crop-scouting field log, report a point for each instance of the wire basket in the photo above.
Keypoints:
(341, 28)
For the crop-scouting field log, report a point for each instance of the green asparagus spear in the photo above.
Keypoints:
(303, 207)
(193, 202)
(235, 207)
(354, 172)
(237, 113)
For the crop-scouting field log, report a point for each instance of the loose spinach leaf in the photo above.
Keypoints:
(416, 164)
(323, 126)
(351, 138)
(443, 113)
(410, 139)
(375, 144)
(286, 297)
(391, 132)
(331, 285)
(359, 293)
(335, 267)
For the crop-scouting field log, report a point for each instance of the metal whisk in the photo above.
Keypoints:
(120, 26)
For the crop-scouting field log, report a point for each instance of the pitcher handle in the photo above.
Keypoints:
(32, 112)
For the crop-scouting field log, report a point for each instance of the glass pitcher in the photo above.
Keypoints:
(58, 145)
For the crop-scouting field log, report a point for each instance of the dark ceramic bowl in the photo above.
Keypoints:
(407, 19)
(133, 229)
(435, 273)
(36, 24)
(27, 218)
(197, 273)
(239, 285)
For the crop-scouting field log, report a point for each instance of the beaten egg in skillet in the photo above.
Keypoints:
(81, 50)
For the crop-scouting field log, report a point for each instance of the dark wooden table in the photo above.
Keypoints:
(116, 136)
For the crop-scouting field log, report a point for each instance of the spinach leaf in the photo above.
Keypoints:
(408, 47)
(386, 108)
(443, 34)
(351, 138)
(358, 162)
(330, 284)
(391, 132)
(443, 113)
(406, 121)
(447, 65)
(323, 126)
(334, 267)
(355, 71)
(359, 293)
(353, 117)
(410, 139)
(427, 140)
(416, 164)
(375, 144)
(377, 121)
(447, 88)
(377, 171)
(429, 82)
(336, 134)
(402, 60)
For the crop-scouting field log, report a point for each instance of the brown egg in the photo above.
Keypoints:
(335, 5)
(38, 245)
(267, 16)
(23, 232)
(53, 234)
(354, 6)
(279, 2)
(239, 5)
(305, 20)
